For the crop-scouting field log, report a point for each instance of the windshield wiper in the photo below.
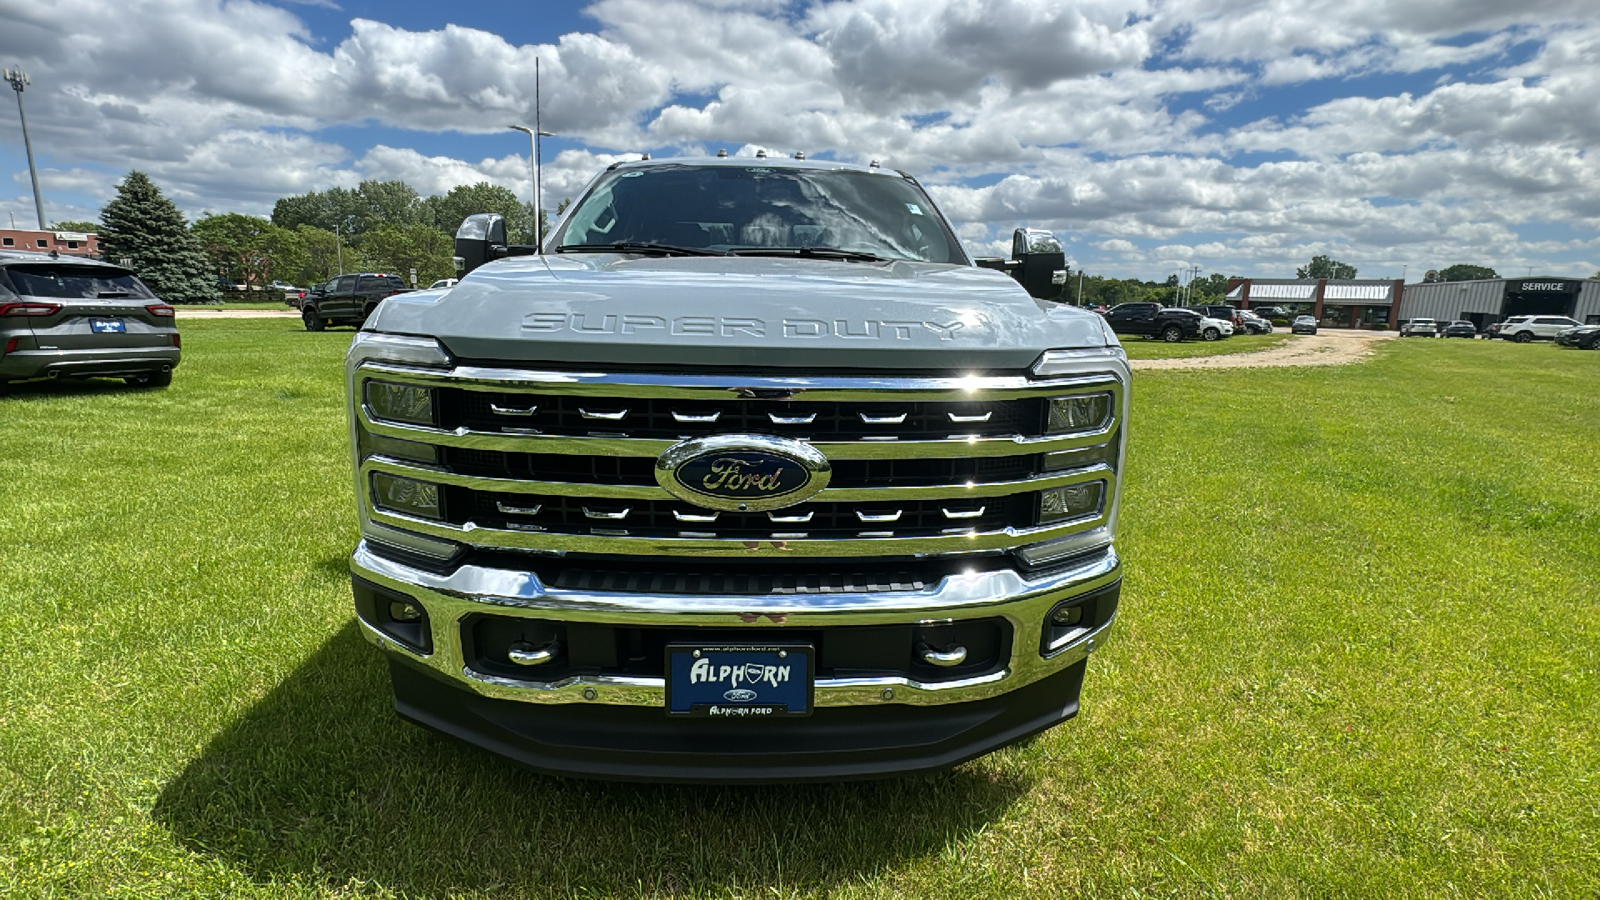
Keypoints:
(640, 247)
(811, 252)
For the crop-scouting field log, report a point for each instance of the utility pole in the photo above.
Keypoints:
(19, 80)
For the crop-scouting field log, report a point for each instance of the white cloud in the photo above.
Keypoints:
(1109, 120)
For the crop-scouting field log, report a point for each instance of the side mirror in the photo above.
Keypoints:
(480, 239)
(1041, 263)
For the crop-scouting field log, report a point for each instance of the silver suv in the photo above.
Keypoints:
(1523, 329)
(74, 318)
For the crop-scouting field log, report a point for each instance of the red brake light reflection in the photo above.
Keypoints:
(159, 309)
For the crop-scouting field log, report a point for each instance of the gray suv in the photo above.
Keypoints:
(66, 317)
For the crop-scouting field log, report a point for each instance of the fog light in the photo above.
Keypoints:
(417, 498)
(400, 402)
(1074, 501)
(1066, 616)
(1071, 415)
(404, 612)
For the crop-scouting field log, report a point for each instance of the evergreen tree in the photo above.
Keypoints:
(141, 225)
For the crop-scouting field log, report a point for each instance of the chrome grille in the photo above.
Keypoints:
(667, 419)
(584, 469)
(564, 463)
(673, 518)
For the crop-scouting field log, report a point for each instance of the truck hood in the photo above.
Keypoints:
(748, 312)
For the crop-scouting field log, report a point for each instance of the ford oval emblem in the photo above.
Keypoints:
(744, 472)
(739, 695)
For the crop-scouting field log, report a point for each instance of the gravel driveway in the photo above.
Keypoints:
(1332, 347)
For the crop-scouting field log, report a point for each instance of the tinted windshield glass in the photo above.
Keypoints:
(756, 208)
(74, 282)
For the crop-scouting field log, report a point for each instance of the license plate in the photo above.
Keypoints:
(108, 326)
(739, 682)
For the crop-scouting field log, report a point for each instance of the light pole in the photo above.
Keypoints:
(338, 248)
(19, 80)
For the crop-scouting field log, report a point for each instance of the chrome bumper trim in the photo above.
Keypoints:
(1005, 593)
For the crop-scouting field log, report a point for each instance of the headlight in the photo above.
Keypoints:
(406, 495)
(400, 402)
(1075, 501)
(1079, 413)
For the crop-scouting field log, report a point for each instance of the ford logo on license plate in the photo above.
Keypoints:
(722, 681)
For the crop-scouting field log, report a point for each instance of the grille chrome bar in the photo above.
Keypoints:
(959, 419)
(870, 419)
(798, 519)
(879, 518)
(697, 518)
(963, 513)
(792, 420)
(722, 387)
(606, 542)
(655, 492)
(609, 515)
(607, 415)
(621, 446)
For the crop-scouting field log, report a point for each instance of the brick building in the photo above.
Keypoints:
(1333, 302)
(67, 243)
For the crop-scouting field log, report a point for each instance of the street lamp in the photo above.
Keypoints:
(338, 248)
(19, 80)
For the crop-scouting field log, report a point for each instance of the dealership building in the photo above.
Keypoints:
(1381, 303)
(1493, 299)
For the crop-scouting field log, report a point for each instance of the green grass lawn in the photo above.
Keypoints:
(1145, 348)
(242, 304)
(1358, 655)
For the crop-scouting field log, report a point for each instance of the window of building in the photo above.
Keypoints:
(72, 245)
(7, 242)
(42, 242)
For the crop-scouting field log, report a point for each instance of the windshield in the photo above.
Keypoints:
(74, 282)
(759, 210)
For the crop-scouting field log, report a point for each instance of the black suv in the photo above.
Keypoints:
(348, 299)
(1171, 324)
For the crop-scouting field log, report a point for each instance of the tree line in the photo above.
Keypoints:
(386, 226)
(382, 226)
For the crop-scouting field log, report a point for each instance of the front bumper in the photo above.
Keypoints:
(609, 725)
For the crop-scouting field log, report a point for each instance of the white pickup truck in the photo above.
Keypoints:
(749, 473)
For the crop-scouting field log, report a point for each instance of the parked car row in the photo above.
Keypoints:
(1583, 337)
(1170, 323)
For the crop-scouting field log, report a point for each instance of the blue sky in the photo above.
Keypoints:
(1241, 136)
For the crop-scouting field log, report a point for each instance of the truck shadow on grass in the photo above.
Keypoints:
(321, 783)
